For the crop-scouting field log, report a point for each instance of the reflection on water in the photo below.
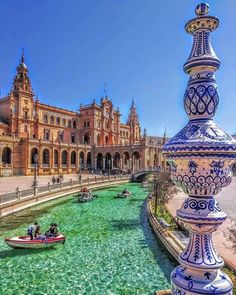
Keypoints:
(110, 249)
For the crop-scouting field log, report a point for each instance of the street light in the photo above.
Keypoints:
(35, 182)
(109, 166)
(80, 164)
(132, 154)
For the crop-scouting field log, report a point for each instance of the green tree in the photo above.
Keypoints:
(161, 188)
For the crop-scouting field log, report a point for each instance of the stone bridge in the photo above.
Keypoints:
(138, 175)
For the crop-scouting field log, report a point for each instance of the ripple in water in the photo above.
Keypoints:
(110, 249)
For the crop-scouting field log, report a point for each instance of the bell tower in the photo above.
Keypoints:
(133, 122)
(22, 103)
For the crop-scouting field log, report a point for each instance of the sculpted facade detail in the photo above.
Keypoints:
(67, 141)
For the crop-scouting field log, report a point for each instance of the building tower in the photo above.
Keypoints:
(201, 156)
(133, 122)
(22, 104)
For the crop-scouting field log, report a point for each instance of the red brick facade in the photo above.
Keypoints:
(67, 141)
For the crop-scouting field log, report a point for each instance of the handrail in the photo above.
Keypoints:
(49, 188)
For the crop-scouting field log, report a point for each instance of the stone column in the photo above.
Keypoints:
(201, 155)
(112, 163)
(121, 163)
(95, 163)
(103, 163)
(51, 162)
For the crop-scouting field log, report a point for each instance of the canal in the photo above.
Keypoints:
(110, 249)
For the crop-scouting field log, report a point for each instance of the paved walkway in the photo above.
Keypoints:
(227, 201)
(9, 184)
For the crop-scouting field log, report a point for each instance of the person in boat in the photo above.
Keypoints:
(37, 231)
(31, 230)
(125, 191)
(53, 231)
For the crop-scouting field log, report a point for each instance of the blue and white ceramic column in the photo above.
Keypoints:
(201, 156)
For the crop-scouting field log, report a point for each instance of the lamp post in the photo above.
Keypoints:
(80, 176)
(35, 182)
(132, 155)
(109, 167)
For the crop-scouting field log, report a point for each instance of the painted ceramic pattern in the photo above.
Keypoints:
(201, 156)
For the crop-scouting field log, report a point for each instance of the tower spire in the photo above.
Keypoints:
(22, 56)
(105, 89)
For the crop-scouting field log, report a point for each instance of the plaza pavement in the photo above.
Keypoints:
(9, 184)
(227, 202)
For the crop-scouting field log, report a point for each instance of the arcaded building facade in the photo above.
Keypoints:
(67, 141)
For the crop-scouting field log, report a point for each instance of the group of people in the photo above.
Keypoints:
(34, 231)
(57, 179)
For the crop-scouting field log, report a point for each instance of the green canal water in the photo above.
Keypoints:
(110, 249)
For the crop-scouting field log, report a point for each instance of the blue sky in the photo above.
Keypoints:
(138, 47)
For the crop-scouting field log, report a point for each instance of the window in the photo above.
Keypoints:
(69, 123)
(64, 122)
(58, 121)
(52, 120)
(74, 124)
(46, 134)
(73, 137)
(60, 134)
(86, 124)
(45, 118)
(26, 115)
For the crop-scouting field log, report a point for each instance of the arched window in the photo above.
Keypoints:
(58, 120)
(45, 119)
(73, 158)
(108, 161)
(64, 158)
(81, 160)
(51, 120)
(155, 162)
(126, 160)
(6, 155)
(86, 138)
(69, 123)
(116, 160)
(46, 157)
(98, 140)
(64, 122)
(74, 124)
(99, 161)
(89, 160)
(55, 157)
(106, 140)
(34, 152)
(136, 161)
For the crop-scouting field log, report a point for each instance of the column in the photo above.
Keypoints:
(103, 163)
(201, 157)
(112, 163)
(95, 163)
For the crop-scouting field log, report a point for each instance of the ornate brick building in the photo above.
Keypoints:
(67, 141)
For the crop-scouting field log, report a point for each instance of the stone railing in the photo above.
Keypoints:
(57, 187)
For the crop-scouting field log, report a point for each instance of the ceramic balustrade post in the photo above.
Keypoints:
(201, 157)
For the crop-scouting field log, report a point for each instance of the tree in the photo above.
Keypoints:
(162, 188)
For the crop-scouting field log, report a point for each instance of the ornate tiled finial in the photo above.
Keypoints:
(201, 156)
